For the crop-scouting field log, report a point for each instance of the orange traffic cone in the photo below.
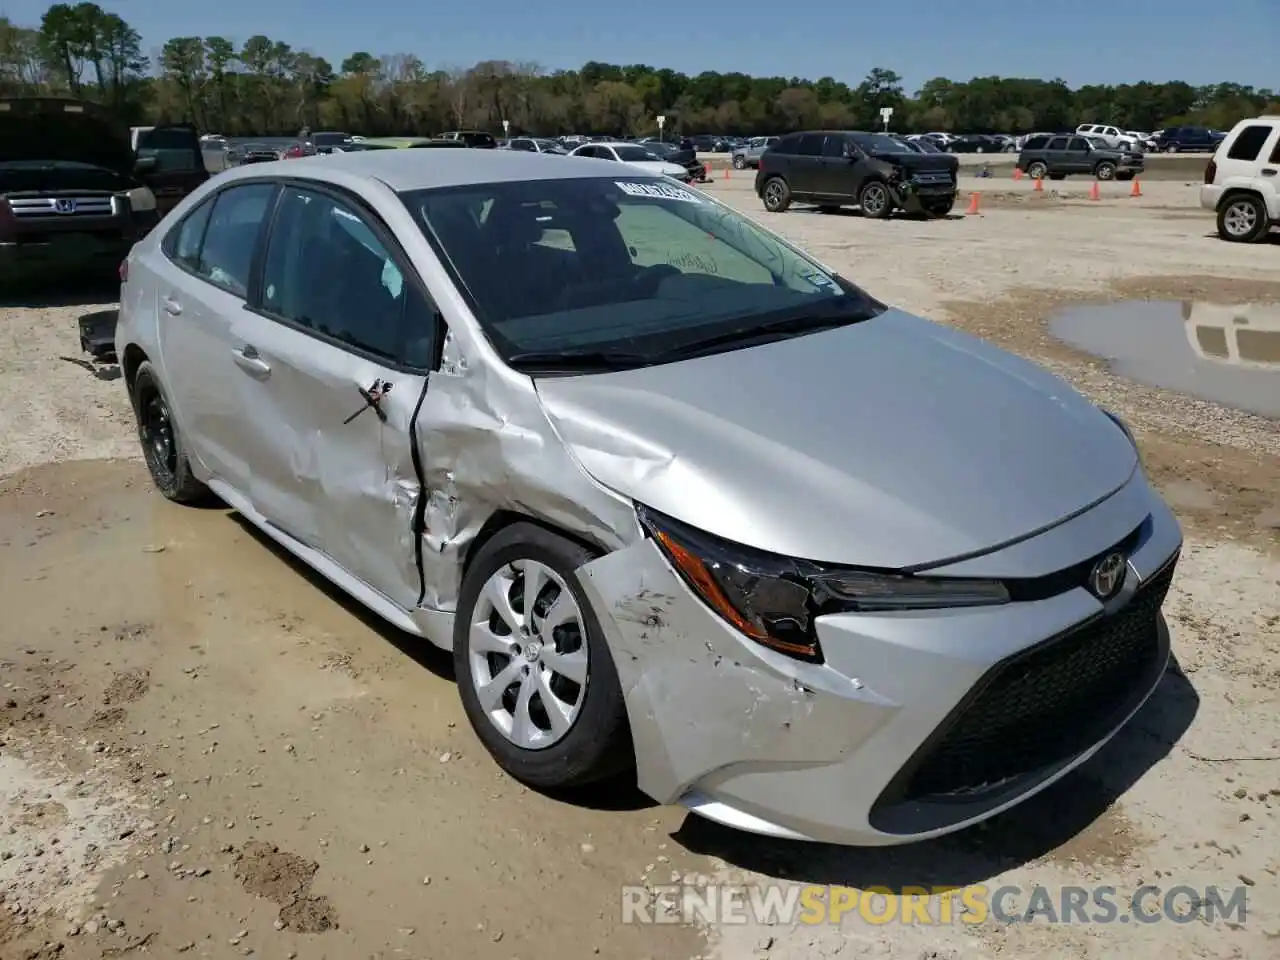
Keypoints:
(1137, 189)
(726, 173)
(1017, 173)
(1095, 192)
(973, 204)
(1039, 184)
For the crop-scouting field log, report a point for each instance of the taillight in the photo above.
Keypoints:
(124, 271)
(1211, 172)
(760, 163)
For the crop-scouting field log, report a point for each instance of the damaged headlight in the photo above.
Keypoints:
(774, 600)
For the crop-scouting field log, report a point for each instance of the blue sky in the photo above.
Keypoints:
(1085, 41)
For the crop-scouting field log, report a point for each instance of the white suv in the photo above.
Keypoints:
(1240, 182)
(1116, 138)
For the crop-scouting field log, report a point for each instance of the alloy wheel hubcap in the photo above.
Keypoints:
(873, 200)
(1240, 219)
(528, 651)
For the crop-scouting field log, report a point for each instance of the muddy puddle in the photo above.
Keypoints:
(1227, 353)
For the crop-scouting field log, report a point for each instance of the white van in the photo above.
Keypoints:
(1242, 181)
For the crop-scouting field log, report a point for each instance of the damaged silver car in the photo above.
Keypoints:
(680, 499)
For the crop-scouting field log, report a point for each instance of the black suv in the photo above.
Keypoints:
(1057, 157)
(72, 197)
(1189, 140)
(874, 171)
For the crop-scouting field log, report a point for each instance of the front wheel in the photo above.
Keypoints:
(534, 671)
(163, 446)
(1243, 219)
(776, 195)
(1105, 170)
(875, 201)
(739, 163)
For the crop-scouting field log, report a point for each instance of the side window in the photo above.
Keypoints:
(226, 256)
(1035, 143)
(811, 145)
(787, 145)
(1079, 144)
(1057, 143)
(834, 147)
(183, 243)
(326, 270)
(1275, 153)
(1249, 143)
(525, 145)
(587, 152)
(606, 153)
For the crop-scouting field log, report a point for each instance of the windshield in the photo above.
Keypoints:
(633, 154)
(880, 143)
(174, 148)
(1098, 142)
(660, 148)
(926, 146)
(632, 265)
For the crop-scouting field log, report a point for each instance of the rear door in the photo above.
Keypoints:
(805, 167)
(201, 282)
(1055, 154)
(179, 158)
(837, 177)
(341, 338)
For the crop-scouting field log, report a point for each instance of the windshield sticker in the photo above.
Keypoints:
(660, 191)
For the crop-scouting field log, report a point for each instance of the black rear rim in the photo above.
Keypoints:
(157, 434)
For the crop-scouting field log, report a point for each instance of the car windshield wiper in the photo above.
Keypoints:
(772, 329)
(578, 360)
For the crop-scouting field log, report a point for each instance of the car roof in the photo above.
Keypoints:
(403, 170)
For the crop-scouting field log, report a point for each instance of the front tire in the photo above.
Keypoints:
(1243, 219)
(1106, 170)
(875, 200)
(534, 671)
(163, 445)
(776, 195)
(739, 163)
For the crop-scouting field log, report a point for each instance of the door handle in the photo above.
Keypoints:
(1268, 171)
(248, 360)
(172, 307)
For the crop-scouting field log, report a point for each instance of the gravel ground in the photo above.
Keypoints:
(206, 752)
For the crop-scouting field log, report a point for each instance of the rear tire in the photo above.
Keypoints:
(163, 445)
(739, 163)
(567, 661)
(776, 195)
(1037, 170)
(1243, 219)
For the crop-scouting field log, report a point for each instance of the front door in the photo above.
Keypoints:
(201, 288)
(337, 359)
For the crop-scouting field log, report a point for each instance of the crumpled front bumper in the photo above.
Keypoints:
(761, 742)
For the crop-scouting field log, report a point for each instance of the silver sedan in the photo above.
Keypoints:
(685, 504)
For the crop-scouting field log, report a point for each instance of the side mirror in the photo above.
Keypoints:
(145, 164)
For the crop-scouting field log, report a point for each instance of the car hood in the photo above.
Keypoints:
(890, 443)
(920, 162)
(658, 168)
(54, 130)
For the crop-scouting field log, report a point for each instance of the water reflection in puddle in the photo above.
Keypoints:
(1229, 354)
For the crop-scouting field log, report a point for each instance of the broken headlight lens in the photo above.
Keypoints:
(774, 600)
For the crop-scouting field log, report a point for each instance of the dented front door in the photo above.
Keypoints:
(330, 390)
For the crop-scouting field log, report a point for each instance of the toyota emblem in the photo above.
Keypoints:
(64, 205)
(1107, 576)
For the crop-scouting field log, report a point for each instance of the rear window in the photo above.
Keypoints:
(1250, 143)
(1035, 143)
(174, 148)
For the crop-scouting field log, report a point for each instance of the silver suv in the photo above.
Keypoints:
(748, 155)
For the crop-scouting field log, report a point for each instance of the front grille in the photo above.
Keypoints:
(1047, 704)
(61, 207)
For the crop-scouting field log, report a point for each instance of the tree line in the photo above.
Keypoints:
(265, 87)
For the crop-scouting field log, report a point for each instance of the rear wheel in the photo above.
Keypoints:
(1243, 219)
(534, 670)
(1037, 170)
(875, 201)
(163, 446)
(739, 162)
(776, 195)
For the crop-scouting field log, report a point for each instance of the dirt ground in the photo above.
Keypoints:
(204, 751)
